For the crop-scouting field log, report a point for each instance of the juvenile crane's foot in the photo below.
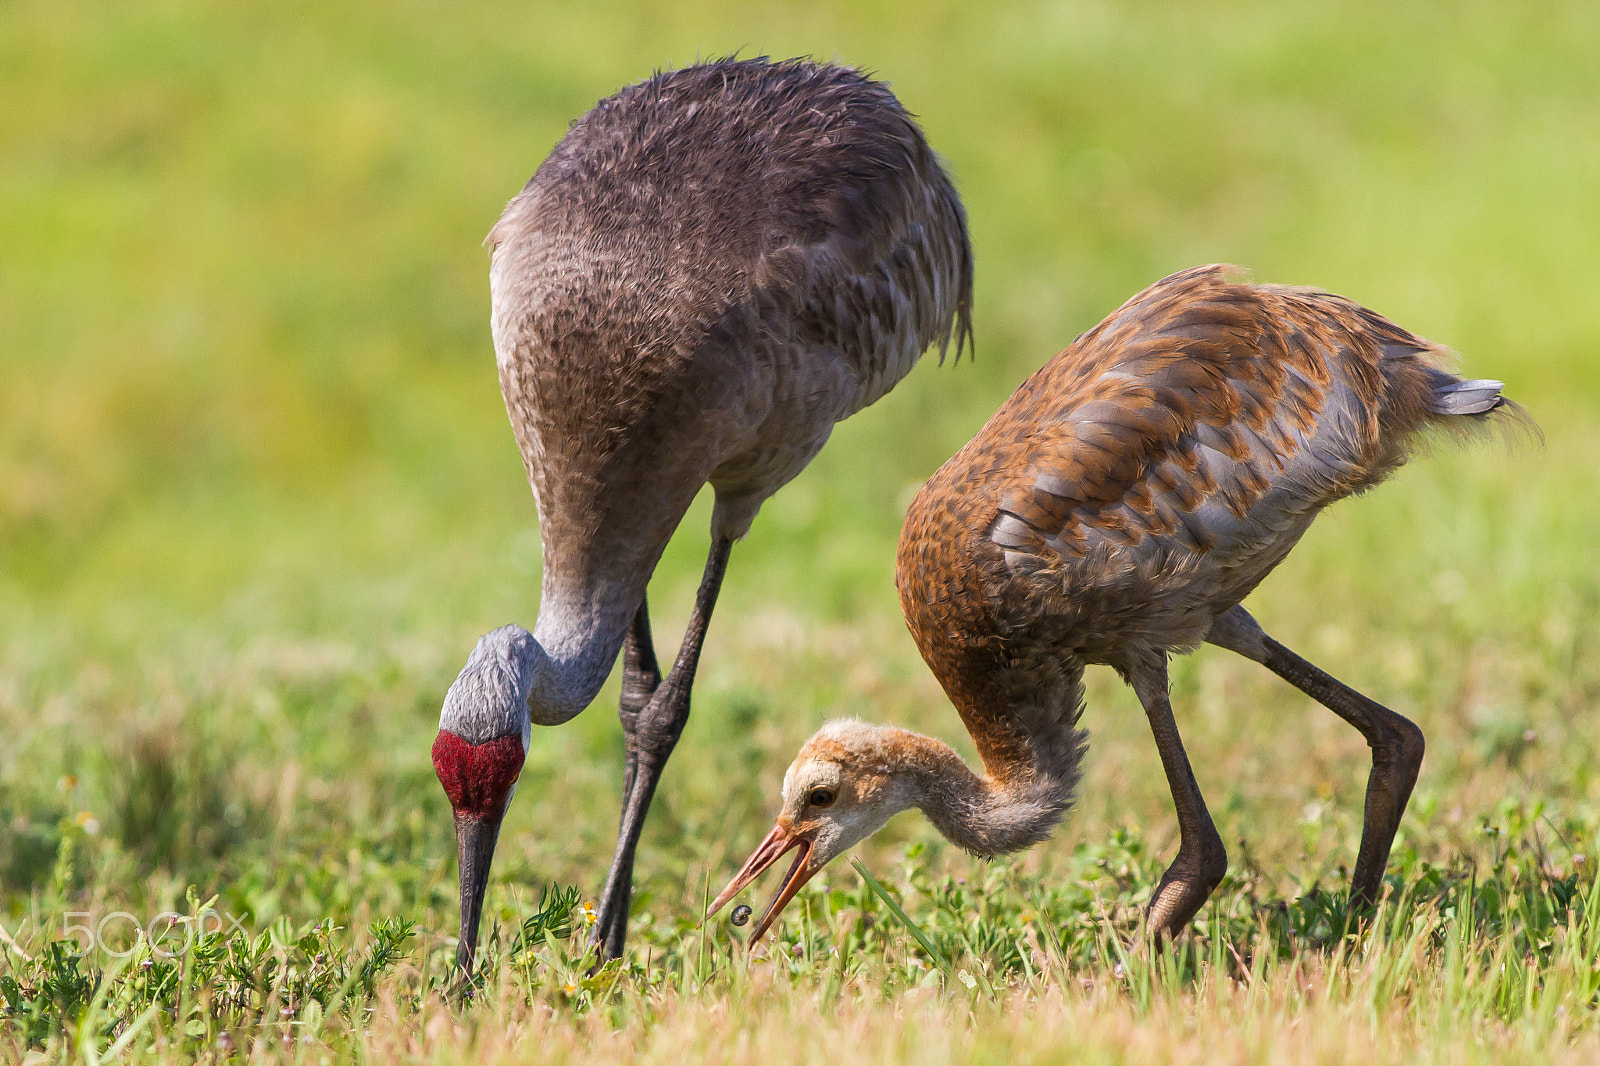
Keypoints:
(1397, 749)
(1185, 887)
(1396, 761)
(1202, 860)
(1396, 742)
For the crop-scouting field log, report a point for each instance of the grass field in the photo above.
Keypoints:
(258, 497)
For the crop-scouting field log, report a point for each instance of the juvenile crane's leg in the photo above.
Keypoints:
(640, 678)
(656, 728)
(1202, 860)
(1396, 742)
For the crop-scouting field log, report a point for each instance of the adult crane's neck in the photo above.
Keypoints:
(514, 678)
(579, 633)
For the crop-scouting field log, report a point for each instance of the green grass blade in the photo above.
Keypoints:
(905, 919)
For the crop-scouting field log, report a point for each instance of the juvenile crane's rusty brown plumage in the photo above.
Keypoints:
(1115, 510)
(709, 270)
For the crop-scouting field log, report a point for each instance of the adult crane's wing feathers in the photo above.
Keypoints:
(879, 305)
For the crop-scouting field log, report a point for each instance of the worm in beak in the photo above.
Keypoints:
(779, 842)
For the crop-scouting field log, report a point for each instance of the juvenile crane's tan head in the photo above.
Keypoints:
(848, 780)
(852, 777)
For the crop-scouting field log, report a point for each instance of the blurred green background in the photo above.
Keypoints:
(258, 495)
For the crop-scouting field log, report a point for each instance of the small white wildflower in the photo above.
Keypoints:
(967, 979)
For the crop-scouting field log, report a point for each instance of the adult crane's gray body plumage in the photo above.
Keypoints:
(711, 269)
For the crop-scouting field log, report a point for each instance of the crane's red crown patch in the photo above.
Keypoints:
(477, 777)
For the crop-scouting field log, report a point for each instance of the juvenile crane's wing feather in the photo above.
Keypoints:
(1205, 423)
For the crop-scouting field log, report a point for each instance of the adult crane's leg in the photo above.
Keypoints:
(1396, 742)
(640, 678)
(1202, 860)
(657, 725)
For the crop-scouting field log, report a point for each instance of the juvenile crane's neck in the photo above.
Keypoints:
(1026, 733)
(982, 814)
(1020, 699)
(1023, 719)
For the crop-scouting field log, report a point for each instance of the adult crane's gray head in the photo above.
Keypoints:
(478, 755)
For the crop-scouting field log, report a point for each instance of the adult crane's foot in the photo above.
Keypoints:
(657, 728)
(641, 678)
(652, 731)
(610, 932)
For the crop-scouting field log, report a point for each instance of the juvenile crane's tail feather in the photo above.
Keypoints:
(1466, 406)
(1468, 397)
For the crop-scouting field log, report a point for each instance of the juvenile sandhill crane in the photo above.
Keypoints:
(711, 269)
(1116, 510)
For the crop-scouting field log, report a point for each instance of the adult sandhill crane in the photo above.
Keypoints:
(1116, 510)
(710, 269)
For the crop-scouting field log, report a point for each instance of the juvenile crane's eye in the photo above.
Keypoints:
(820, 797)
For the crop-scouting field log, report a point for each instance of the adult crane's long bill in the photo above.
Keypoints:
(779, 842)
(475, 839)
